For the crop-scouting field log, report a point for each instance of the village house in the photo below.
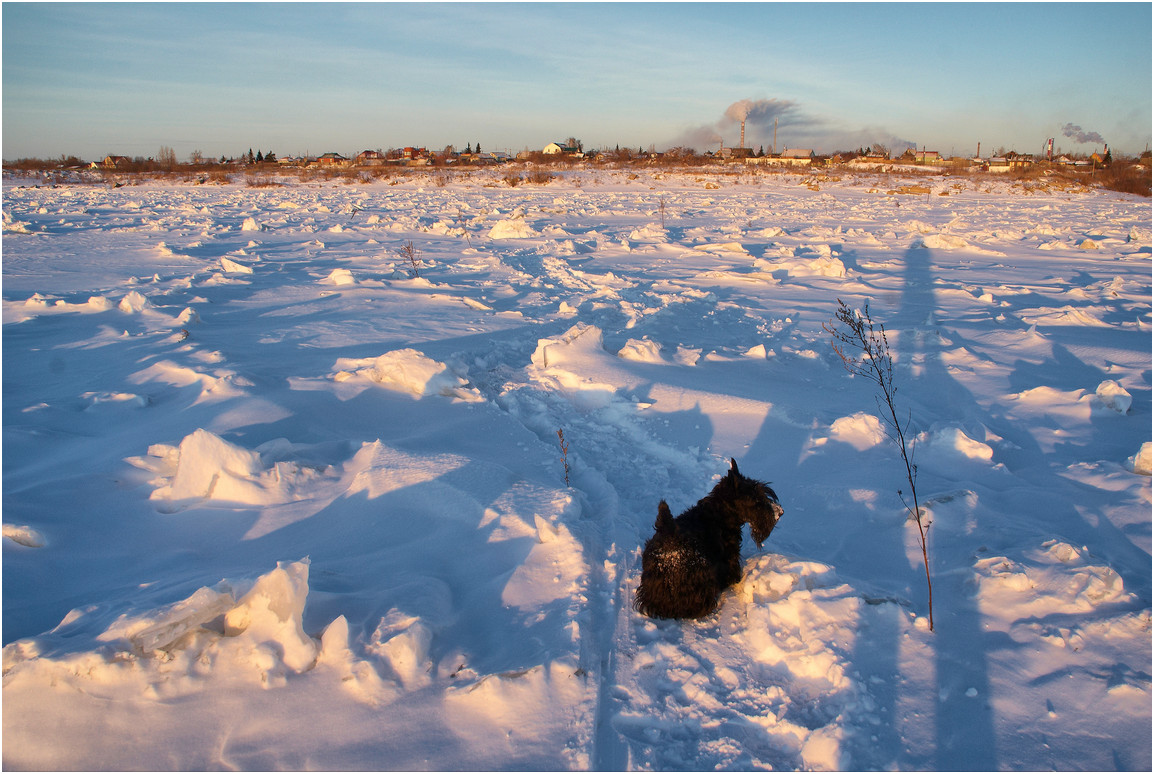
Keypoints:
(370, 158)
(554, 148)
(115, 162)
(332, 158)
(798, 157)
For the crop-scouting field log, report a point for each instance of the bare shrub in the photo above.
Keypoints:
(410, 253)
(864, 349)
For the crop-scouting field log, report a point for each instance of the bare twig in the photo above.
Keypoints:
(564, 453)
(864, 349)
(411, 254)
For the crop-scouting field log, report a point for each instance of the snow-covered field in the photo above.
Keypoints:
(273, 501)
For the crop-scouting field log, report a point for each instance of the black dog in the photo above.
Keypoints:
(691, 559)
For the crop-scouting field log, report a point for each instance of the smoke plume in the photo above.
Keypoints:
(797, 128)
(1075, 133)
(760, 112)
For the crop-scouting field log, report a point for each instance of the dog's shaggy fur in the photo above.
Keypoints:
(690, 560)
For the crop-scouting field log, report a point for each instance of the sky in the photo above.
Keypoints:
(92, 79)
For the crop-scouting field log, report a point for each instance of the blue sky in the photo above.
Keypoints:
(93, 78)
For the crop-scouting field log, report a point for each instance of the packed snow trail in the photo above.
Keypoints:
(261, 471)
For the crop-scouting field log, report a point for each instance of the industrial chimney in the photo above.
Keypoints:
(742, 145)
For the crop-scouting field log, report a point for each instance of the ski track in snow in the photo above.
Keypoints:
(266, 471)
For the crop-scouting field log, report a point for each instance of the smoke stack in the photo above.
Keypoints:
(742, 145)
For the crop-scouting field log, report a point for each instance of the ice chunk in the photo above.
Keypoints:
(212, 467)
(179, 619)
(1114, 396)
(641, 350)
(1140, 462)
(271, 611)
(232, 267)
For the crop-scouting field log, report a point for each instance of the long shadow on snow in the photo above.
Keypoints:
(963, 726)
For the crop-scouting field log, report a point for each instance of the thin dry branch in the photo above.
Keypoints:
(864, 350)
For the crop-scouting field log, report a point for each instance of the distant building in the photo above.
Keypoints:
(554, 148)
(332, 158)
(370, 158)
(115, 162)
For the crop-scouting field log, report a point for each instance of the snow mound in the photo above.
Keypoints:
(946, 443)
(651, 232)
(250, 224)
(1059, 577)
(1114, 396)
(511, 228)
(339, 277)
(407, 370)
(1140, 462)
(811, 261)
(642, 351)
(206, 467)
(133, 303)
(861, 431)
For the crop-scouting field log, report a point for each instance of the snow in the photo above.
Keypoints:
(271, 497)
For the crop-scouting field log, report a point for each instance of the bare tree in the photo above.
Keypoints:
(166, 157)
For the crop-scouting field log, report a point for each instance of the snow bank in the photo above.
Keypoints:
(407, 370)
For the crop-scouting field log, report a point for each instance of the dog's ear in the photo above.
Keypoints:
(733, 467)
(664, 521)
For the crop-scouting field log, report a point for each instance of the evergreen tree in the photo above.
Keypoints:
(270, 157)
(251, 158)
(259, 157)
(469, 149)
(478, 147)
